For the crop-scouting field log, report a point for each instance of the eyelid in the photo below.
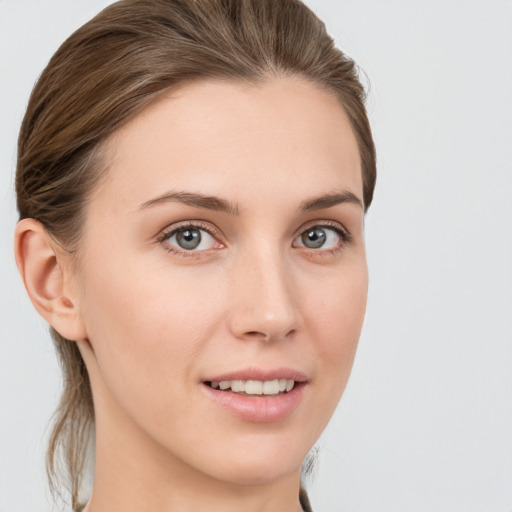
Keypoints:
(336, 226)
(170, 230)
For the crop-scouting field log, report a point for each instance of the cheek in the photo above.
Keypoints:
(146, 331)
(343, 315)
(336, 315)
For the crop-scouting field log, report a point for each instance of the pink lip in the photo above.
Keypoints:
(260, 374)
(259, 408)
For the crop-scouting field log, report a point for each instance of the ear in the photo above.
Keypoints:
(37, 258)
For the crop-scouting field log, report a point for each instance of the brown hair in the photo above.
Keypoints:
(107, 72)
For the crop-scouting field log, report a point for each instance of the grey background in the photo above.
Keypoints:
(426, 421)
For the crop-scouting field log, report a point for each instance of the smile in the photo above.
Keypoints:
(257, 395)
(254, 387)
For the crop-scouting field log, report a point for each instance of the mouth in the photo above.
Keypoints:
(273, 387)
(257, 395)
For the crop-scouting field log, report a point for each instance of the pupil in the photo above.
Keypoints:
(314, 238)
(188, 238)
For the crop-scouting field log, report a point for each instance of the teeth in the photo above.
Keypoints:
(271, 387)
(237, 386)
(255, 387)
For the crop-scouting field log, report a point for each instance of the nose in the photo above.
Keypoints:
(263, 304)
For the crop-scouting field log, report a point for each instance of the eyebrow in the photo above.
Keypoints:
(223, 205)
(193, 199)
(330, 200)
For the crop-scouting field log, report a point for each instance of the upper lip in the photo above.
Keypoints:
(260, 374)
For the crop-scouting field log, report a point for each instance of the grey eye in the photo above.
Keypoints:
(321, 237)
(189, 238)
(314, 238)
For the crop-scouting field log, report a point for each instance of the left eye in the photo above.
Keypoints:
(191, 239)
(319, 237)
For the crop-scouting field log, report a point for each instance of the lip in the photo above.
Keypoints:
(260, 374)
(259, 408)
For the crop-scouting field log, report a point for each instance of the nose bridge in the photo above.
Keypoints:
(264, 304)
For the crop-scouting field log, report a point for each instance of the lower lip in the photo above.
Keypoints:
(258, 408)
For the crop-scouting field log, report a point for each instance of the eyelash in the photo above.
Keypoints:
(175, 228)
(342, 232)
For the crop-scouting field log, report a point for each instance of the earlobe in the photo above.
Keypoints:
(37, 259)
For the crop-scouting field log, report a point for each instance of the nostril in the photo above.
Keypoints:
(268, 336)
(258, 335)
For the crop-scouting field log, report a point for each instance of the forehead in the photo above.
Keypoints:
(236, 140)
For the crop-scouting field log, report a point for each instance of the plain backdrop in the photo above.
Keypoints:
(425, 424)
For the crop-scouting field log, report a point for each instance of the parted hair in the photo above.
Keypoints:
(107, 72)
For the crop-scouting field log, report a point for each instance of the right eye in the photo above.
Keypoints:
(189, 239)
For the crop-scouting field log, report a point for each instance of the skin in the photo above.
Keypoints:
(152, 321)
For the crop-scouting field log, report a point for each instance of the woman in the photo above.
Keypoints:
(192, 181)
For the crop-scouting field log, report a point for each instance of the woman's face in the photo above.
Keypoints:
(225, 244)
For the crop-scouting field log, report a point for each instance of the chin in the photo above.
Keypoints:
(250, 472)
(259, 463)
